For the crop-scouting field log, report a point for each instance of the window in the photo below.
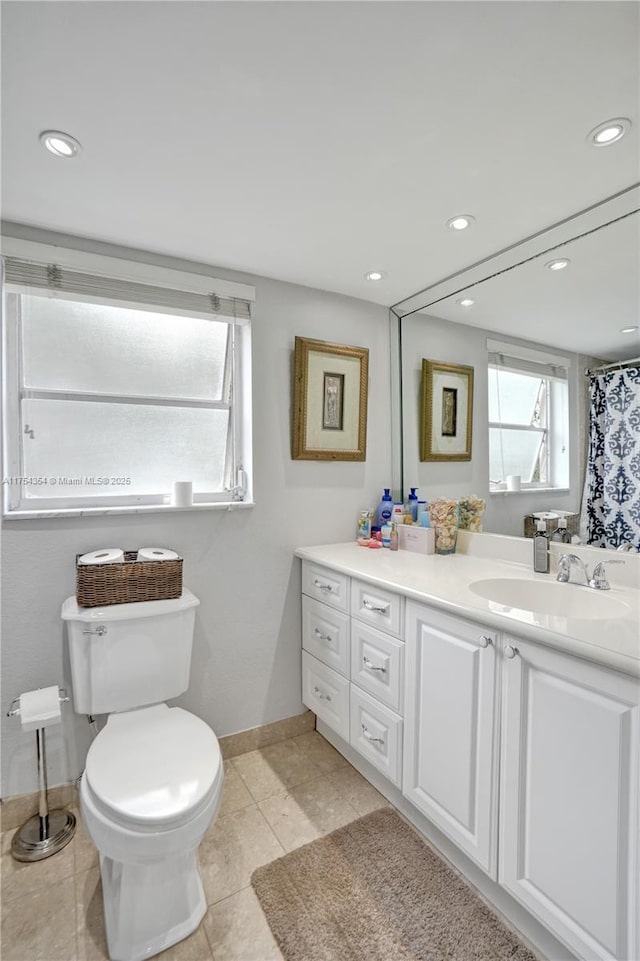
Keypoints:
(116, 387)
(528, 417)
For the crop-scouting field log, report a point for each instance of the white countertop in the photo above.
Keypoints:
(444, 582)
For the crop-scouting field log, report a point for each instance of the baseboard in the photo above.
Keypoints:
(256, 737)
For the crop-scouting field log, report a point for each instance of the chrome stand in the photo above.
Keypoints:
(47, 832)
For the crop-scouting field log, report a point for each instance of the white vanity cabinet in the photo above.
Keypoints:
(525, 756)
(569, 808)
(450, 740)
(353, 663)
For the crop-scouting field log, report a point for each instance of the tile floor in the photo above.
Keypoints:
(275, 799)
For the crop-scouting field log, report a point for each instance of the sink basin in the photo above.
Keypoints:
(550, 598)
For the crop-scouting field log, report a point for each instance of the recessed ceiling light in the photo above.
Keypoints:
(609, 132)
(460, 222)
(60, 144)
(557, 264)
(628, 330)
(466, 301)
(375, 275)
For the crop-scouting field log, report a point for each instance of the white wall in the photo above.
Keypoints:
(435, 339)
(246, 665)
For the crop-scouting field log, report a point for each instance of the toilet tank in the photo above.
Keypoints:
(129, 655)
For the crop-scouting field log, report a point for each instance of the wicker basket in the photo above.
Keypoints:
(100, 585)
(530, 527)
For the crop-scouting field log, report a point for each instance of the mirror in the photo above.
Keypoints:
(573, 316)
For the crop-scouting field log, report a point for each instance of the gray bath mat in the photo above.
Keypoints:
(373, 891)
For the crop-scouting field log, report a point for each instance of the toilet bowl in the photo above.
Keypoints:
(151, 787)
(153, 777)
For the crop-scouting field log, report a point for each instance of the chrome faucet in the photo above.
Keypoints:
(565, 563)
(598, 581)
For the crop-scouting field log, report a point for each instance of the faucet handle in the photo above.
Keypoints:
(564, 567)
(599, 580)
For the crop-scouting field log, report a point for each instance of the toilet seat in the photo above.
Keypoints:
(154, 768)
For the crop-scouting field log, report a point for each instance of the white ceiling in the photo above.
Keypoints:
(313, 141)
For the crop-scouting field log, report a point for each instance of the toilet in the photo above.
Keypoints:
(153, 777)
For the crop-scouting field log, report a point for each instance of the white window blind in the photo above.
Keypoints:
(528, 416)
(122, 379)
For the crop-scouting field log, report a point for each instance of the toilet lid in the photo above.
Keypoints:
(153, 765)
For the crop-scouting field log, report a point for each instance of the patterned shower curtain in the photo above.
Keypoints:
(611, 502)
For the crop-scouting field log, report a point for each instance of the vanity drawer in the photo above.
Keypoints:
(382, 609)
(325, 585)
(377, 664)
(326, 694)
(325, 634)
(376, 732)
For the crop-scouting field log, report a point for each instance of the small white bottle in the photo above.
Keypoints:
(397, 515)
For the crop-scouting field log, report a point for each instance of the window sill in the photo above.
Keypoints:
(532, 490)
(132, 509)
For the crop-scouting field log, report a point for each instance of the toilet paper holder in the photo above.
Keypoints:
(47, 832)
(14, 707)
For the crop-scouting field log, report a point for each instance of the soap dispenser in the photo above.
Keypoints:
(541, 549)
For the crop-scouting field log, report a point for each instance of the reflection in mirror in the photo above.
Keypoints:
(541, 424)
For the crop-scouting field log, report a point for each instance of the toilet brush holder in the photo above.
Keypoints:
(47, 832)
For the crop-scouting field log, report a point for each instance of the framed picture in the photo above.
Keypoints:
(446, 411)
(330, 385)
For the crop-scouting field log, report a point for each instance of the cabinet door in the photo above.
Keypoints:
(569, 798)
(325, 634)
(377, 664)
(325, 585)
(450, 728)
(326, 694)
(377, 733)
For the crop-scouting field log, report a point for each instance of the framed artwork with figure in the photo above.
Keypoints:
(330, 389)
(446, 409)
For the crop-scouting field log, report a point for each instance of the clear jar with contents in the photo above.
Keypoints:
(444, 520)
(364, 526)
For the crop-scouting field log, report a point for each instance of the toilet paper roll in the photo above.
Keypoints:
(40, 708)
(157, 554)
(514, 482)
(182, 494)
(106, 555)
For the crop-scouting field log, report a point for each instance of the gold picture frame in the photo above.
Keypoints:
(446, 407)
(330, 391)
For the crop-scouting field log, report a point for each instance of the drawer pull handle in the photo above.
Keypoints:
(321, 636)
(370, 666)
(369, 737)
(484, 640)
(510, 651)
(376, 608)
(321, 697)
(323, 587)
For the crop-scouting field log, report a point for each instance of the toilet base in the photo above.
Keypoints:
(148, 907)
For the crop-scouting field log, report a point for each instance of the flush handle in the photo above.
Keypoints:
(100, 630)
